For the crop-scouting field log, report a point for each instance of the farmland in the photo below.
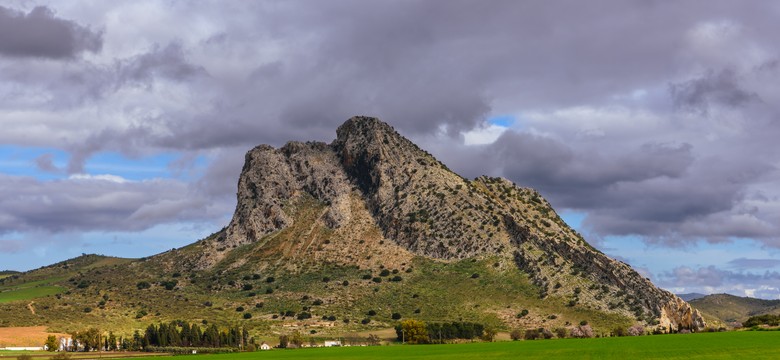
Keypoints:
(726, 345)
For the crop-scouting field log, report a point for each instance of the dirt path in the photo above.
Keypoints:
(30, 306)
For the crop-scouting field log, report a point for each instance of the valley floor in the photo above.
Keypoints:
(727, 345)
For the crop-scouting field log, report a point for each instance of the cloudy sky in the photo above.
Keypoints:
(650, 125)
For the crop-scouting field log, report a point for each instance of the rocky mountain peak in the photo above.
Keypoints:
(373, 183)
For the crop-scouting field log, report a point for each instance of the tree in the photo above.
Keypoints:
(412, 331)
(516, 334)
(51, 343)
(489, 334)
(89, 338)
(296, 339)
(373, 340)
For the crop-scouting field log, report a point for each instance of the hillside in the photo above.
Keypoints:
(730, 308)
(349, 236)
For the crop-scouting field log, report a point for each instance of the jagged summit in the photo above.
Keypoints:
(373, 190)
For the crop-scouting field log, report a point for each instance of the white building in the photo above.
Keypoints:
(265, 346)
(331, 343)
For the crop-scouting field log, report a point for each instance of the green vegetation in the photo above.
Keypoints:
(28, 293)
(768, 319)
(727, 345)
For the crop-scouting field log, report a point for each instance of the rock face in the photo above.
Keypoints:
(422, 207)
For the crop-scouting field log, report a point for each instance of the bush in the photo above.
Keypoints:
(270, 279)
(531, 334)
(304, 316)
(143, 285)
(516, 334)
(396, 278)
(561, 332)
(325, 279)
(247, 287)
(474, 275)
(377, 279)
(582, 331)
(247, 316)
(522, 313)
(240, 309)
(396, 316)
(87, 309)
(365, 321)
(371, 312)
(636, 330)
(384, 272)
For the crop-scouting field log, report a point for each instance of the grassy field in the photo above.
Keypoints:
(729, 345)
(29, 293)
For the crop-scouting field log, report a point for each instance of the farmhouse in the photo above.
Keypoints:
(331, 343)
(265, 346)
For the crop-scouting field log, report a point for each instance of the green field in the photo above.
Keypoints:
(730, 345)
(29, 293)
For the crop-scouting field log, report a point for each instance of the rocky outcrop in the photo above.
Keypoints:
(420, 205)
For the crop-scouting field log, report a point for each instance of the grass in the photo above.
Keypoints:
(29, 293)
(730, 345)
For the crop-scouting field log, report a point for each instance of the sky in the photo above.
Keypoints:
(650, 126)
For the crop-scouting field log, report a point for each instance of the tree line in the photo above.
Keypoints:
(418, 332)
(173, 334)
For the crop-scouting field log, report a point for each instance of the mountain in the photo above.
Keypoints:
(691, 296)
(365, 230)
(730, 309)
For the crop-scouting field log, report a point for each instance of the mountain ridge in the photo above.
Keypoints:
(428, 210)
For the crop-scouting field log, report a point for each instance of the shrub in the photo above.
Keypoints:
(371, 312)
(247, 287)
(582, 331)
(143, 285)
(531, 334)
(247, 316)
(522, 313)
(384, 272)
(325, 279)
(396, 278)
(474, 275)
(365, 321)
(240, 309)
(366, 277)
(304, 316)
(561, 332)
(516, 334)
(270, 279)
(87, 309)
(377, 279)
(636, 330)
(396, 316)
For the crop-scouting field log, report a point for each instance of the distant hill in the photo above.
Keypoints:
(730, 308)
(350, 237)
(691, 296)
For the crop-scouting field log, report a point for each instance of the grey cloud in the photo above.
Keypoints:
(84, 204)
(167, 62)
(41, 34)
(743, 263)
(711, 89)
(711, 279)
(45, 162)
